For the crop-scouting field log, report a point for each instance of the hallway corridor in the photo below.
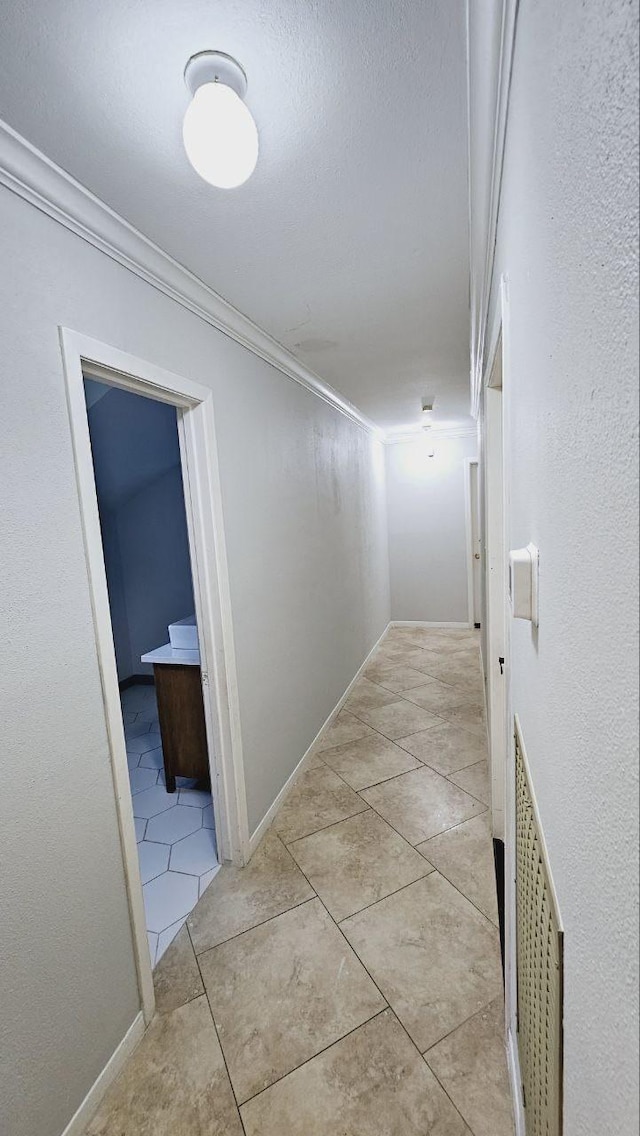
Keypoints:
(347, 981)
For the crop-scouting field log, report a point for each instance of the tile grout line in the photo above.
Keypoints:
(453, 826)
(435, 871)
(353, 949)
(451, 660)
(387, 1007)
(402, 1026)
(445, 876)
(318, 754)
(493, 926)
(325, 1049)
(322, 827)
(415, 848)
(396, 890)
(382, 781)
(454, 773)
(393, 741)
(388, 1004)
(379, 1012)
(437, 678)
(213, 1022)
(484, 808)
(422, 839)
(439, 722)
(382, 898)
(451, 1032)
(448, 1096)
(422, 1058)
(255, 926)
(397, 742)
(401, 696)
(335, 823)
(428, 874)
(331, 1044)
(400, 1022)
(315, 895)
(446, 775)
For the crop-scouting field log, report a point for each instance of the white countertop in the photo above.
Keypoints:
(169, 654)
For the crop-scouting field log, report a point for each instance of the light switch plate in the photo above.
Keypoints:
(523, 583)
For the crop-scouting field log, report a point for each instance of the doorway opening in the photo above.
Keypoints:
(143, 522)
(496, 590)
(191, 406)
(474, 543)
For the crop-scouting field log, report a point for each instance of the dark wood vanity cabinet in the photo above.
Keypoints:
(182, 728)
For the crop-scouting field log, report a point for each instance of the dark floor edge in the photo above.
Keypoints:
(135, 680)
(498, 857)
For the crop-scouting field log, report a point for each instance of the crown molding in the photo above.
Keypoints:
(435, 435)
(27, 172)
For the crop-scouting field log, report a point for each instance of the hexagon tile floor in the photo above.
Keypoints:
(175, 831)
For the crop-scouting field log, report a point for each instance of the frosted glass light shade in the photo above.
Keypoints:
(220, 136)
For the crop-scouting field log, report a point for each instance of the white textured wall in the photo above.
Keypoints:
(427, 535)
(568, 242)
(304, 511)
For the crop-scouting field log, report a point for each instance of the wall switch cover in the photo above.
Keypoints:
(523, 583)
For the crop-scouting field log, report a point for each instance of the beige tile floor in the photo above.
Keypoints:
(348, 980)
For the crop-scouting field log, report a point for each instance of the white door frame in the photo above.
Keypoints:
(473, 614)
(82, 356)
(503, 717)
(496, 585)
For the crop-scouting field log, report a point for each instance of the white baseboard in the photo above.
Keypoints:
(513, 1065)
(89, 1106)
(427, 623)
(270, 814)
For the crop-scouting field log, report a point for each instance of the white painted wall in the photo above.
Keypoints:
(427, 535)
(303, 498)
(568, 242)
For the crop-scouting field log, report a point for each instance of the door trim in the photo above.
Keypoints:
(501, 342)
(468, 523)
(495, 587)
(196, 428)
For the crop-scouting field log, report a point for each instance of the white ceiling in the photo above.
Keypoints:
(349, 244)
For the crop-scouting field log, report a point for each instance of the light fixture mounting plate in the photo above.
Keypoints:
(215, 67)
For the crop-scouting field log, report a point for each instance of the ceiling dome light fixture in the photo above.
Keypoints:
(219, 134)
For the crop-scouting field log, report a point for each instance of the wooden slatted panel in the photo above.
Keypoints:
(540, 966)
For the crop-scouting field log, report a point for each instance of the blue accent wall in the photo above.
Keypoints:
(134, 441)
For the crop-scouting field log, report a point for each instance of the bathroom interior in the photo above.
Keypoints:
(140, 492)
